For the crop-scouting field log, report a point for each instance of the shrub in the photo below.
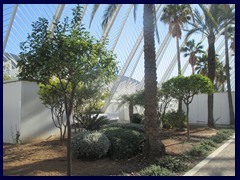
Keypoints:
(174, 119)
(90, 145)
(174, 164)
(91, 122)
(229, 132)
(155, 170)
(208, 142)
(197, 151)
(137, 118)
(132, 126)
(123, 142)
(219, 137)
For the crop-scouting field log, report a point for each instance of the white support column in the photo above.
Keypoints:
(120, 31)
(9, 27)
(57, 16)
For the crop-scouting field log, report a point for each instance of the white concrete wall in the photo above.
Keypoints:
(11, 109)
(36, 119)
(24, 111)
(198, 112)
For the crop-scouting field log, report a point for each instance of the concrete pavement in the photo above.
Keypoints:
(220, 163)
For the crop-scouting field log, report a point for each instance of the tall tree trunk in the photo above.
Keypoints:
(193, 70)
(153, 146)
(179, 73)
(178, 56)
(69, 107)
(230, 104)
(131, 111)
(188, 126)
(211, 75)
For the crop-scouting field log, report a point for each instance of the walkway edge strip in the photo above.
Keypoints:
(196, 168)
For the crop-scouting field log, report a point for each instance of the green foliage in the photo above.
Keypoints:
(137, 118)
(219, 137)
(226, 131)
(6, 77)
(197, 151)
(208, 142)
(187, 86)
(90, 145)
(132, 126)
(173, 164)
(93, 122)
(123, 142)
(155, 170)
(174, 119)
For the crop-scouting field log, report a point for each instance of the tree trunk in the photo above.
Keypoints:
(153, 146)
(193, 70)
(211, 75)
(178, 56)
(69, 107)
(179, 73)
(131, 111)
(230, 104)
(188, 126)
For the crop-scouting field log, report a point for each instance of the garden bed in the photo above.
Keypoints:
(42, 158)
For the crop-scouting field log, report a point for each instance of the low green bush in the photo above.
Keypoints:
(229, 132)
(132, 126)
(123, 142)
(155, 170)
(90, 145)
(173, 164)
(219, 137)
(197, 151)
(174, 119)
(137, 118)
(208, 142)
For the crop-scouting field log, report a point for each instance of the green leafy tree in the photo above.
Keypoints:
(187, 87)
(210, 25)
(70, 54)
(53, 100)
(89, 101)
(191, 49)
(153, 147)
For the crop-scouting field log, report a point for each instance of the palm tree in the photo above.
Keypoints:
(221, 77)
(191, 50)
(228, 16)
(130, 100)
(210, 25)
(176, 16)
(153, 147)
(202, 65)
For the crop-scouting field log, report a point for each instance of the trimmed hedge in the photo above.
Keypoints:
(90, 145)
(123, 142)
(132, 126)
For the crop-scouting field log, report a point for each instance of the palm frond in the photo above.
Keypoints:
(108, 14)
(95, 8)
(135, 11)
(155, 23)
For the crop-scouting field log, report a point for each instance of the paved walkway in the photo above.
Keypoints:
(220, 163)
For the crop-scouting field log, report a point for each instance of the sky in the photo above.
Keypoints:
(28, 13)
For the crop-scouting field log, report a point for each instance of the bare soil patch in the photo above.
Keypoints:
(47, 158)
